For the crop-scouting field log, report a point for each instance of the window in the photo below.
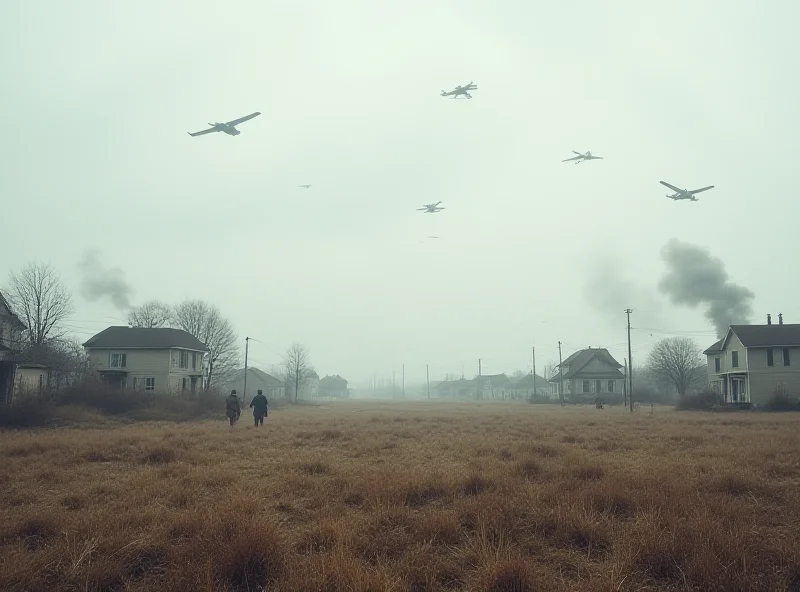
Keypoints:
(183, 384)
(144, 384)
(587, 386)
(2, 329)
(183, 361)
(770, 358)
(610, 386)
(117, 360)
(194, 360)
(735, 359)
(716, 365)
(785, 356)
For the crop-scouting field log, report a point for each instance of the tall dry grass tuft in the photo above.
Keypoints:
(422, 497)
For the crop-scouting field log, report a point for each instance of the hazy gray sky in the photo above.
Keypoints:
(98, 97)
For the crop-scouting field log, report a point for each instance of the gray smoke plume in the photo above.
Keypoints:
(695, 277)
(98, 281)
(609, 292)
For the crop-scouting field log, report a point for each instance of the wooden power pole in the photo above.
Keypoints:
(428, 378)
(533, 359)
(404, 381)
(244, 387)
(479, 392)
(560, 376)
(628, 312)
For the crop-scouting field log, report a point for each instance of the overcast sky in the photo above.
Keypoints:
(98, 97)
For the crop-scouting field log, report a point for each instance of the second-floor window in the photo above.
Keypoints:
(183, 360)
(117, 360)
(716, 364)
(770, 358)
(735, 359)
(194, 360)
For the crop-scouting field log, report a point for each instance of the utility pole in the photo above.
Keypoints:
(428, 378)
(628, 312)
(404, 381)
(533, 358)
(479, 392)
(244, 388)
(625, 385)
(560, 376)
(394, 395)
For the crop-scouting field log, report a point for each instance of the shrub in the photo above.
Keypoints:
(781, 401)
(702, 401)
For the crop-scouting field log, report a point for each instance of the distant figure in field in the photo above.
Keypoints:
(259, 405)
(232, 408)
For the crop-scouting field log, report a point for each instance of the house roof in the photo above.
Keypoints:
(24, 361)
(580, 359)
(527, 381)
(779, 335)
(256, 378)
(459, 382)
(332, 381)
(144, 338)
(11, 313)
(312, 374)
(715, 348)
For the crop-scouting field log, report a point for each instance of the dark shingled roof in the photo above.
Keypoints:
(716, 348)
(527, 382)
(13, 315)
(768, 335)
(142, 337)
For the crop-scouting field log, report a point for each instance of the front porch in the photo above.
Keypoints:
(734, 387)
(114, 379)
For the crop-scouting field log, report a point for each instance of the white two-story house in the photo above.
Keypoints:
(162, 360)
(752, 362)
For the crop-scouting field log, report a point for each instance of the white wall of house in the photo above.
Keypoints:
(30, 380)
(155, 370)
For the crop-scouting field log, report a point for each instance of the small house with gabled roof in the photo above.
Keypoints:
(588, 373)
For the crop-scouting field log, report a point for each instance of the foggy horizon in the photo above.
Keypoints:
(102, 178)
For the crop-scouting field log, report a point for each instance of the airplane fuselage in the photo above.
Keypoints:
(679, 196)
(225, 128)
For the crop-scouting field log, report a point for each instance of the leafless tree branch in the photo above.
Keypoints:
(207, 324)
(676, 360)
(38, 295)
(151, 314)
(296, 366)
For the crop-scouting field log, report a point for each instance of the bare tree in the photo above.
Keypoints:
(550, 370)
(676, 360)
(38, 295)
(151, 314)
(207, 324)
(296, 366)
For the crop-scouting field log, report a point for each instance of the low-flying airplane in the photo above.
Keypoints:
(305, 186)
(229, 127)
(684, 193)
(461, 90)
(433, 236)
(582, 157)
(430, 208)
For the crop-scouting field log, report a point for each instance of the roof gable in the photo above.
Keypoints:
(527, 381)
(144, 338)
(591, 361)
(9, 312)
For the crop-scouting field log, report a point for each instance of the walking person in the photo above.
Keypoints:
(232, 408)
(259, 405)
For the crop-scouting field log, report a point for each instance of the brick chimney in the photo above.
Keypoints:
(769, 319)
(780, 318)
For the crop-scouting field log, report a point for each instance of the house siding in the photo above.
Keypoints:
(765, 379)
(30, 380)
(139, 363)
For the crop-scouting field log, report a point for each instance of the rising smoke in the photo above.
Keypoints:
(610, 292)
(694, 277)
(98, 281)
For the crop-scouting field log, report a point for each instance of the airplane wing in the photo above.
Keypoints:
(243, 119)
(573, 158)
(204, 132)
(703, 189)
(671, 187)
(576, 152)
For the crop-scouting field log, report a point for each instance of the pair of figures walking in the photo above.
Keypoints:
(233, 410)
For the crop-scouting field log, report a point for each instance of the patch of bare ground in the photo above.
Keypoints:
(408, 497)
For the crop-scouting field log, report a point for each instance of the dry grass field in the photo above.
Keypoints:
(407, 497)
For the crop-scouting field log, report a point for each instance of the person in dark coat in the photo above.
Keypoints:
(259, 405)
(232, 408)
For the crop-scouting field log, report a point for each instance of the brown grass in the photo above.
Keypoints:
(415, 497)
